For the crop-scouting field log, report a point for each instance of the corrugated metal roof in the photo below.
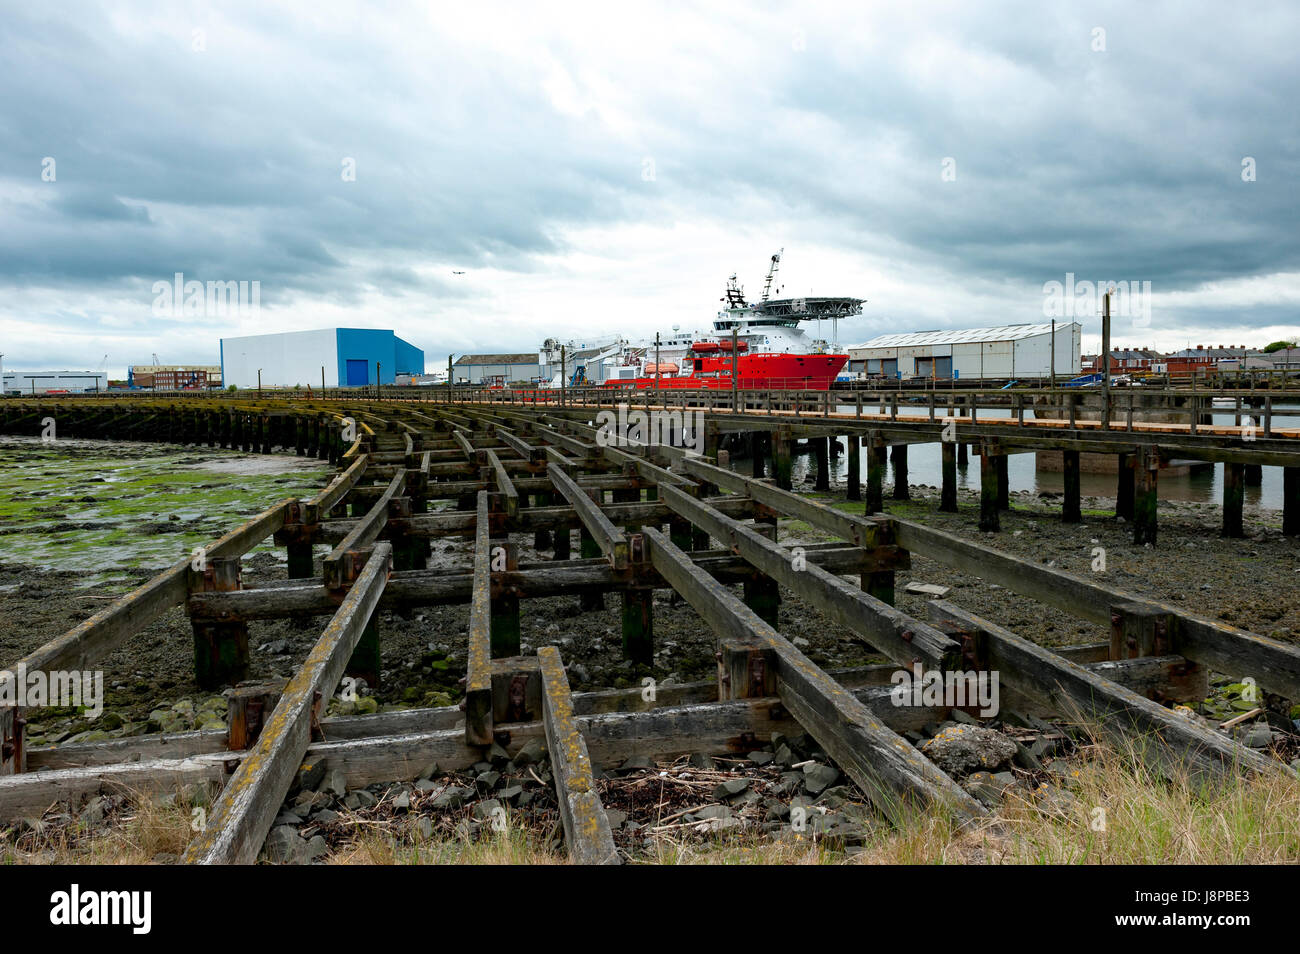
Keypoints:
(528, 358)
(910, 339)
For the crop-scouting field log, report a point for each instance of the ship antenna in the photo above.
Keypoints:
(771, 273)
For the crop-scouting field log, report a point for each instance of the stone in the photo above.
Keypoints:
(1258, 736)
(616, 817)
(334, 783)
(425, 785)
(730, 788)
(531, 752)
(315, 848)
(453, 796)
(962, 749)
(486, 808)
(817, 777)
(701, 761)
(425, 827)
(761, 758)
(402, 802)
(283, 845)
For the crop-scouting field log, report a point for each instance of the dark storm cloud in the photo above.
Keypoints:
(225, 162)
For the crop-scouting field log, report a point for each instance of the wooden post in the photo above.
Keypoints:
(963, 454)
(247, 709)
(758, 453)
(562, 538)
(541, 538)
(638, 625)
(854, 466)
(746, 670)
(1144, 497)
(1004, 486)
(1124, 487)
(1070, 512)
(505, 601)
(1234, 491)
(220, 648)
(761, 592)
(875, 473)
(589, 549)
(1137, 631)
(988, 489)
(821, 453)
(948, 492)
(782, 458)
(898, 456)
(1291, 501)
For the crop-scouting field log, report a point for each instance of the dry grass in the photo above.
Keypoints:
(1147, 820)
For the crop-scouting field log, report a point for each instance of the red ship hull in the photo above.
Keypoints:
(804, 372)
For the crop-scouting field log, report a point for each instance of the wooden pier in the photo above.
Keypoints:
(487, 467)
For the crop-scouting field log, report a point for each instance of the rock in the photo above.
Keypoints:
(283, 845)
(334, 783)
(1258, 736)
(365, 799)
(315, 848)
(402, 802)
(638, 763)
(510, 792)
(817, 777)
(325, 816)
(310, 774)
(497, 755)
(616, 817)
(430, 771)
(713, 811)
(961, 749)
(487, 781)
(927, 589)
(761, 758)
(730, 788)
(486, 808)
(453, 796)
(531, 752)
(425, 785)
(701, 761)
(288, 818)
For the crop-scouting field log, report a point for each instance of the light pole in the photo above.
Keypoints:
(259, 384)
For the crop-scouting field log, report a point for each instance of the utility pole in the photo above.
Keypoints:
(561, 375)
(449, 378)
(656, 365)
(379, 379)
(259, 384)
(1105, 361)
(322, 382)
(1053, 361)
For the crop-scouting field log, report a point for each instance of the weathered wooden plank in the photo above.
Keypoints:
(364, 532)
(890, 631)
(503, 484)
(1132, 721)
(612, 541)
(338, 488)
(586, 829)
(478, 682)
(243, 814)
(888, 770)
(1274, 665)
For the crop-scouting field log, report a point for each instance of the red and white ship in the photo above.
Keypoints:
(761, 344)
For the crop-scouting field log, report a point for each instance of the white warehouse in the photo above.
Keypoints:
(1007, 352)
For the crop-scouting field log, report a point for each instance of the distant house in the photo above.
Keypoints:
(1201, 358)
(496, 368)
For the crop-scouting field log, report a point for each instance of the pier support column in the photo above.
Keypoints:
(761, 592)
(589, 549)
(1070, 512)
(988, 490)
(562, 540)
(948, 493)
(1253, 474)
(821, 454)
(898, 456)
(963, 455)
(782, 458)
(1004, 484)
(1145, 496)
(855, 467)
(504, 610)
(1234, 493)
(366, 658)
(875, 473)
(758, 454)
(638, 625)
(541, 538)
(1124, 487)
(220, 648)
(1291, 501)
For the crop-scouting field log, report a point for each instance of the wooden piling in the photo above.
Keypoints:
(854, 474)
(1234, 487)
(989, 521)
(1145, 496)
(1070, 506)
(948, 492)
(1124, 486)
(875, 502)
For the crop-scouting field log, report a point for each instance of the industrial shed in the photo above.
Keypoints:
(496, 368)
(344, 357)
(1001, 353)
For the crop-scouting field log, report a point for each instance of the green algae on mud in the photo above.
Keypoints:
(96, 507)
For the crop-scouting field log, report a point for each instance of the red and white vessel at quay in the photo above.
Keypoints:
(761, 344)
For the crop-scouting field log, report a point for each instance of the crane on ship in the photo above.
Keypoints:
(771, 274)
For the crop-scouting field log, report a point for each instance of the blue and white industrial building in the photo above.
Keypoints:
(349, 357)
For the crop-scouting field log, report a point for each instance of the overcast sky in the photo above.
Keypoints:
(603, 169)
